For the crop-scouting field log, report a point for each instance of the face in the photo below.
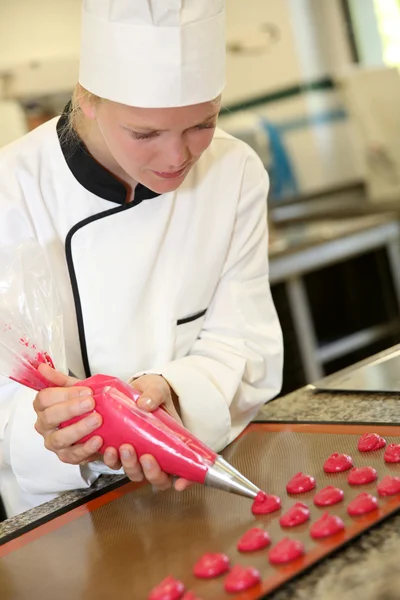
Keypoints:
(155, 147)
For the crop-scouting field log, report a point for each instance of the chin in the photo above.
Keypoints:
(163, 186)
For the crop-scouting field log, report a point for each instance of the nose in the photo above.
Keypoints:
(177, 152)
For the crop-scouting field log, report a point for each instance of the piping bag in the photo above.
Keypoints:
(31, 333)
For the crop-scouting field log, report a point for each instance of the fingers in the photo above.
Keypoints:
(154, 391)
(61, 439)
(182, 484)
(111, 458)
(153, 473)
(130, 463)
(59, 379)
(51, 396)
(145, 467)
(81, 453)
(52, 417)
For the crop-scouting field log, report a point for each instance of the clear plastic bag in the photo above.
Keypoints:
(31, 323)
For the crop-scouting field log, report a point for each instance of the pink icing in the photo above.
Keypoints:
(337, 463)
(370, 441)
(254, 539)
(300, 483)
(328, 495)
(362, 475)
(177, 451)
(296, 515)
(265, 504)
(285, 551)
(27, 373)
(168, 589)
(241, 578)
(155, 433)
(326, 525)
(211, 565)
(362, 504)
(392, 453)
(389, 486)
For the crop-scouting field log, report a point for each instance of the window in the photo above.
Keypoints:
(388, 20)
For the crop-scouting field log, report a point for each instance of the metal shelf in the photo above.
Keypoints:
(355, 341)
(290, 267)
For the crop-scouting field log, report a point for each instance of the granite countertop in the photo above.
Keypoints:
(304, 405)
(366, 569)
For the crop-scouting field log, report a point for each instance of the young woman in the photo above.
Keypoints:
(154, 223)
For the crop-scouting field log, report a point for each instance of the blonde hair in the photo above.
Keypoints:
(76, 118)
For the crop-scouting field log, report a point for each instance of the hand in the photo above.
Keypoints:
(155, 392)
(55, 405)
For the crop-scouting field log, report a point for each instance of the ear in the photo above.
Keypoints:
(88, 107)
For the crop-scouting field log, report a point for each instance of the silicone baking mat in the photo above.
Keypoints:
(125, 542)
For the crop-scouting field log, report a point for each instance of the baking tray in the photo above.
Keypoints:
(126, 541)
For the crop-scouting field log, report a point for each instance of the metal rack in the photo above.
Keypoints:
(290, 267)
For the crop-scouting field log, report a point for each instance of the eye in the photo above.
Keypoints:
(211, 125)
(135, 135)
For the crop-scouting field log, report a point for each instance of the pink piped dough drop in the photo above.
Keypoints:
(371, 441)
(392, 453)
(211, 565)
(265, 504)
(337, 463)
(300, 483)
(285, 551)
(362, 504)
(254, 539)
(389, 486)
(296, 515)
(168, 589)
(326, 526)
(328, 495)
(241, 578)
(190, 596)
(362, 475)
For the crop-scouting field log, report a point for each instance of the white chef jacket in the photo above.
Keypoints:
(173, 283)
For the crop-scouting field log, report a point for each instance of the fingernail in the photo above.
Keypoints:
(94, 420)
(146, 403)
(87, 404)
(146, 464)
(85, 392)
(126, 453)
(95, 443)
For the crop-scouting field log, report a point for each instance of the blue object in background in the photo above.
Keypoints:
(282, 176)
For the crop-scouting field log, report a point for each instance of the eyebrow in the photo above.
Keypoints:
(144, 128)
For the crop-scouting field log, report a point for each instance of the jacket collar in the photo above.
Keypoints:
(91, 174)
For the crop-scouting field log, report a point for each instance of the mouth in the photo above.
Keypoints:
(171, 174)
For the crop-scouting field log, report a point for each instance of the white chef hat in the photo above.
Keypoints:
(153, 53)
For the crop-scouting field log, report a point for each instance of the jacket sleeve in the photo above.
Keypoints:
(235, 365)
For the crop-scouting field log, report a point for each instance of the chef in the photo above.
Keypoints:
(154, 224)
